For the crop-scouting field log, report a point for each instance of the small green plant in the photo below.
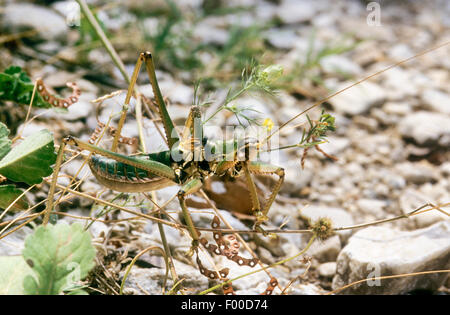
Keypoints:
(307, 70)
(5, 142)
(317, 132)
(259, 78)
(243, 44)
(8, 194)
(54, 260)
(172, 42)
(28, 162)
(312, 136)
(87, 33)
(16, 86)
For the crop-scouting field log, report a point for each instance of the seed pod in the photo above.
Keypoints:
(57, 101)
(271, 286)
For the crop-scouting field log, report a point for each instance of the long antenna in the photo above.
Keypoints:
(352, 85)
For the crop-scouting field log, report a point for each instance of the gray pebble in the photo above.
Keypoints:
(379, 251)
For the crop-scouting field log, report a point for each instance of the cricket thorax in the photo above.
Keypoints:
(193, 159)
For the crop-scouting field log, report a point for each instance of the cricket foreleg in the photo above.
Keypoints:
(190, 187)
(191, 137)
(256, 206)
(263, 168)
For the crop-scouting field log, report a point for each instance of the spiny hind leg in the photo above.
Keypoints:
(171, 134)
(127, 102)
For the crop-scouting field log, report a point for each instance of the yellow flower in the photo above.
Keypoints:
(273, 236)
(268, 123)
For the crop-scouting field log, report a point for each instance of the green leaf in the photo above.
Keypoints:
(16, 86)
(9, 193)
(60, 255)
(17, 71)
(77, 292)
(5, 143)
(30, 161)
(13, 269)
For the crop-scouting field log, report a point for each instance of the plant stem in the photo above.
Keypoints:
(105, 41)
(51, 193)
(228, 100)
(134, 261)
(168, 256)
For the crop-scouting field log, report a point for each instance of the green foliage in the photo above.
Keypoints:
(5, 143)
(60, 255)
(30, 161)
(243, 44)
(317, 132)
(220, 8)
(13, 270)
(264, 77)
(175, 47)
(259, 78)
(308, 67)
(54, 260)
(9, 193)
(16, 86)
(244, 47)
(87, 33)
(172, 42)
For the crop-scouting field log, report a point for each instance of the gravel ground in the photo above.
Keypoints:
(392, 138)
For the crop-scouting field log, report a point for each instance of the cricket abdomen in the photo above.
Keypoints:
(126, 178)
